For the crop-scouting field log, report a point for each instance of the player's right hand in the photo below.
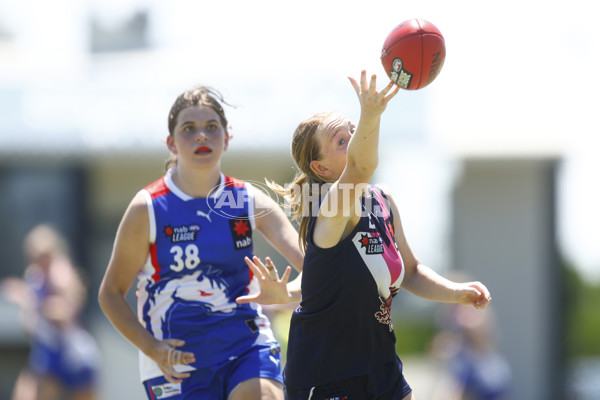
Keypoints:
(166, 356)
(273, 290)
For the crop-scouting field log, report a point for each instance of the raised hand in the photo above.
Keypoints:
(372, 101)
(273, 290)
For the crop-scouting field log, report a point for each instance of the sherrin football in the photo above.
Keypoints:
(413, 54)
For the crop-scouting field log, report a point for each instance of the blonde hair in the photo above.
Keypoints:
(305, 149)
(45, 239)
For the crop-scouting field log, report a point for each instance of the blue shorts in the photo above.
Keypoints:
(217, 381)
(72, 359)
(384, 383)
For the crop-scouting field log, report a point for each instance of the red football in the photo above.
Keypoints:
(413, 54)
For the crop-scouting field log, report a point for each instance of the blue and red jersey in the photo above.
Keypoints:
(196, 270)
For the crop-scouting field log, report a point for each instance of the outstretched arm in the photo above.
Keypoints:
(363, 148)
(361, 161)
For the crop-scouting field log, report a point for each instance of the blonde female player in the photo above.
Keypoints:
(185, 237)
(341, 341)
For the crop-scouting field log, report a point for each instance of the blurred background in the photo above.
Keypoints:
(494, 166)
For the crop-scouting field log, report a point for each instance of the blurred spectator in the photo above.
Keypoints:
(63, 360)
(475, 368)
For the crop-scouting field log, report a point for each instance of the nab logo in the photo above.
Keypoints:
(183, 233)
(241, 232)
(373, 245)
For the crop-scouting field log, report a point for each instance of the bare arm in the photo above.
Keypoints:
(363, 148)
(130, 251)
(64, 299)
(361, 162)
(15, 290)
(424, 282)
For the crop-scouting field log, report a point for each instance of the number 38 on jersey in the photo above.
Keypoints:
(185, 257)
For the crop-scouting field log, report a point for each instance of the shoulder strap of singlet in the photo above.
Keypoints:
(383, 201)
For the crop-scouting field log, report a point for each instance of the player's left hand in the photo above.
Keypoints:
(273, 290)
(473, 294)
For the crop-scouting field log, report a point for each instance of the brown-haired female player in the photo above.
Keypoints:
(184, 237)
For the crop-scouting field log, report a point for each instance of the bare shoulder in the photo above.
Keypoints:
(137, 208)
(135, 221)
(131, 244)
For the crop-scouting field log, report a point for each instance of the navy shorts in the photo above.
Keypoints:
(217, 381)
(384, 383)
